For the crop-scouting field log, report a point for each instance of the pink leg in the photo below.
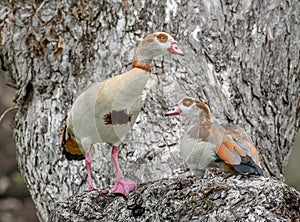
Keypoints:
(88, 167)
(122, 185)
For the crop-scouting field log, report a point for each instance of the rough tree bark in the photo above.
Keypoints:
(242, 58)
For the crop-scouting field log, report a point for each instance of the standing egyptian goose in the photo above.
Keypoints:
(208, 143)
(107, 110)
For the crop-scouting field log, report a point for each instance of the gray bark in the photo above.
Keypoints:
(189, 199)
(242, 58)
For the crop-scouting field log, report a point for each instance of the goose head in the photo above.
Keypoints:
(153, 45)
(191, 108)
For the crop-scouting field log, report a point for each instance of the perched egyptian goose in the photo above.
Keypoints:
(106, 111)
(208, 143)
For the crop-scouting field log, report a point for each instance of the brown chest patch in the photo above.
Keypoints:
(144, 66)
(116, 117)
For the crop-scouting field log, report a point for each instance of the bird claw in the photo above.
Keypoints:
(124, 186)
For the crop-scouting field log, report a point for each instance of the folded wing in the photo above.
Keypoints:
(203, 144)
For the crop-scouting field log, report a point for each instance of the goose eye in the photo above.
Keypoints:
(187, 102)
(162, 38)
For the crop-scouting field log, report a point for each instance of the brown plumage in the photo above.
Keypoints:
(207, 142)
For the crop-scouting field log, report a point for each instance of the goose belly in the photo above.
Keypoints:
(106, 111)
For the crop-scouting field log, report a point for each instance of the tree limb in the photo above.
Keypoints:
(213, 198)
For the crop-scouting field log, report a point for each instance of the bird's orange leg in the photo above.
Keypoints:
(122, 185)
(88, 167)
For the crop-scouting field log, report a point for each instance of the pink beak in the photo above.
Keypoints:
(174, 49)
(175, 111)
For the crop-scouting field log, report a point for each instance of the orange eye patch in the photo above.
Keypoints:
(162, 38)
(187, 102)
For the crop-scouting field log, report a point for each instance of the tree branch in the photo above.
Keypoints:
(213, 198)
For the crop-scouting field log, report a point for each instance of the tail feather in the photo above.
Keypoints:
(248, 166)
(70, 147)
(246, 169)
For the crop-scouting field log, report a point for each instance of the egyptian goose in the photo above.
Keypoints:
(207, 143)
(107, 110)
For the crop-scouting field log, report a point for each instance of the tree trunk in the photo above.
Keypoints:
(242, 58)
